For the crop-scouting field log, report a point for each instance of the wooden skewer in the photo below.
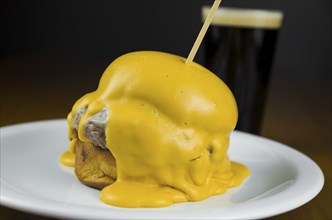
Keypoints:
(202, 33)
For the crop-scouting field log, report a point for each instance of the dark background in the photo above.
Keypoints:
(54, 51)
(106, 29)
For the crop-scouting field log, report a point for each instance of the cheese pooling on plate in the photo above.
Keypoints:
(164, 126)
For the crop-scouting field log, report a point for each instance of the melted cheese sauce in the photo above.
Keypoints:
(168, 128)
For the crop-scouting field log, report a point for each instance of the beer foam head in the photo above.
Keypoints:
(240, 17)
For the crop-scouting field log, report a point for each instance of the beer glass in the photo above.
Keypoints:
(239, 48)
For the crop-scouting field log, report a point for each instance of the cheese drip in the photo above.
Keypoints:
(168, 128)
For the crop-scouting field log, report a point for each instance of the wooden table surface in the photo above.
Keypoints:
(298, 111)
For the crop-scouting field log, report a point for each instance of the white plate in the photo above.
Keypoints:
(32, 180)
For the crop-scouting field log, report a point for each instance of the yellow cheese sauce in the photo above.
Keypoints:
(168, 129)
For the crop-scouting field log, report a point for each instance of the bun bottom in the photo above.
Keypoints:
(94, 166)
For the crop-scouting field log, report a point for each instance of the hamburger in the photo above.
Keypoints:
(155, 132)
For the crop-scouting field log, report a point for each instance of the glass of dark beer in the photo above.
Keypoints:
(239, 48)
